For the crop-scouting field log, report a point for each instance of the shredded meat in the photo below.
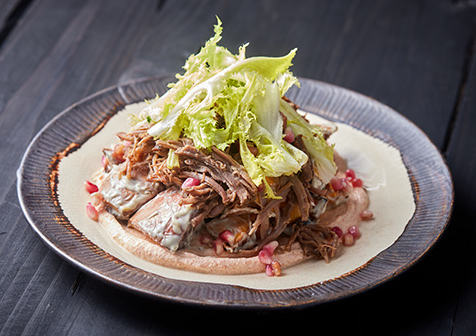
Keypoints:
(226, 191)
(306, 174)
(315, 240)
(222, 169)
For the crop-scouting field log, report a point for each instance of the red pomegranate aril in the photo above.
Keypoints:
(350, 173)
(271, 246)
(269, 270)
(190, 182)
(276, 267)
(336, 183)
(92, 212)
(338, 231)
(366, 215)
(354, 231)
(348, 239)
(91, 187)
(288, 135)
(218, 246)
(264, 257)
(357, 183)
(227, 236)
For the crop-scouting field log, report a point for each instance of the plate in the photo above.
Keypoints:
(428, 173)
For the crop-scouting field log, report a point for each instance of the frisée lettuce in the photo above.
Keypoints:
(223, 98)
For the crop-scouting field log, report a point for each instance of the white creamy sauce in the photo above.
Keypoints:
(169, 213)
(142, 191)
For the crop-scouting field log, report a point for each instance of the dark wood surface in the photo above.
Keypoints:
(419, 57)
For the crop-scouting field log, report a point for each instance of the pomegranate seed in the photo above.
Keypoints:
(348, 239)
(276, 267)
(366, 215)
(218, 246)
(206, 239)
(271, 246)
(354, 231)
(264, 257)
(338, 231)
(227, 237)
(92, 212)
(269, 271)
(336, 184)
(190, 182)
(288, 135)
(91, 187)
(350, 173)
(357, 183)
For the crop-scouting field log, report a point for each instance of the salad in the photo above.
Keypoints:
(224, 174)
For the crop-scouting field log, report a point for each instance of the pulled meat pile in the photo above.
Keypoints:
(183, 191)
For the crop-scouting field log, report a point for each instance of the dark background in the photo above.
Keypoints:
(418, 57)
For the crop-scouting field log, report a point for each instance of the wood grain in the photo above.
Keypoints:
(462, 159)
(408, 54)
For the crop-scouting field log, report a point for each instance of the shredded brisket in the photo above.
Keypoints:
(221, 168)
(315, 240)
(226, 191)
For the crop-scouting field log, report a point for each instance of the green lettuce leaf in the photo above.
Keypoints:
(321, 152)
(223, 98)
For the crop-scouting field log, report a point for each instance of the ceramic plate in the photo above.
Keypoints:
(428, 174)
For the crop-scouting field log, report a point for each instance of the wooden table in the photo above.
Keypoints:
(416, 56)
